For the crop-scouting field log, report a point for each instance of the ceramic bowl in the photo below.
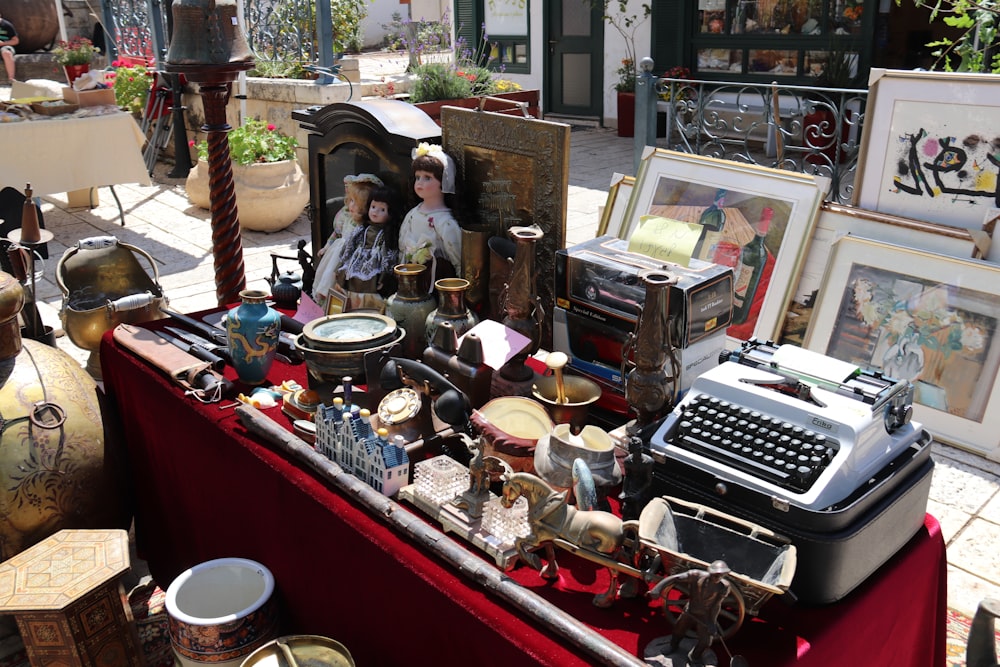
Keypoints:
(333, 365)
(220, 611)
(349, 331)
(511, 427)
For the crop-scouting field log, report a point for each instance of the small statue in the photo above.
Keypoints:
(369, 255)
(356, 191)
(306, 262)
(638, 483)
(430, 235)
(481, 466)
(707, 590)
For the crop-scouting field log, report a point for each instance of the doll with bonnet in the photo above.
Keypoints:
(369, 255)
(357, 189)
(430, 234)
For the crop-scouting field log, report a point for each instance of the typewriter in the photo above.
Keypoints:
(818, 450)
(794, 425)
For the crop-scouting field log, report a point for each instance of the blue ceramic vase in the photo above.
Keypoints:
(253, 329)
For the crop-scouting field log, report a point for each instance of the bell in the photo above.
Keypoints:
(206, 32)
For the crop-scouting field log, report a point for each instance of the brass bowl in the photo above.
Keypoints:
(300, 651)
(333, 365)
(581, 393)
(349, 331)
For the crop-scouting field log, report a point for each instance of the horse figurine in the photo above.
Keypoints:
(552, 519)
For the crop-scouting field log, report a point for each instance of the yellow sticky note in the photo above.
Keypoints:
(666, 239)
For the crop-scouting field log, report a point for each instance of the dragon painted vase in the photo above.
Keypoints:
(253, 329)
(221, 611)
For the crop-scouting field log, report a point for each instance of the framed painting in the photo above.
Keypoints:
(835, 221)
(778, 206)
(927, 150)
(613, 213)
(918, 316)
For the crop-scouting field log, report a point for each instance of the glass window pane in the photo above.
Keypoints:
(720, 60)
(521, 54)
(575, 18)
(771, 61)
(576, 79)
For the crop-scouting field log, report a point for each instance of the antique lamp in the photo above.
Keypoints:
(209, 48)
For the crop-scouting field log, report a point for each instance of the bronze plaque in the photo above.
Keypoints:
(514, 171)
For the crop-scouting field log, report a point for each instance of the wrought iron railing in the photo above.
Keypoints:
(798, 128)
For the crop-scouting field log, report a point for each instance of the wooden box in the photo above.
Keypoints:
(89, 98)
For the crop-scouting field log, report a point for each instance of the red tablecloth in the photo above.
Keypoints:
(205, 489)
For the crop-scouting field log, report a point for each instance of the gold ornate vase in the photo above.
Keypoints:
(648, 388)
(451, 308)
(521, 303)
(410, 306)
(57, 460)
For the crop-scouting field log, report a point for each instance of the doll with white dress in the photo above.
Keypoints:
(430, 235)
(357, 189)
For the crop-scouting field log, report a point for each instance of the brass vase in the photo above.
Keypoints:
(58, 460)
(649, 390)
(521, 303)
(451, 308)
(410, 306)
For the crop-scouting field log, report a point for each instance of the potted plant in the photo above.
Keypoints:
(626, 23)
(271, 189)
(464, 82)
(75, 56)
(131, 83)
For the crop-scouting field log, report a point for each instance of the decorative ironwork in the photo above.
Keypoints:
(797, 128)
(281, 31)
(137, 28)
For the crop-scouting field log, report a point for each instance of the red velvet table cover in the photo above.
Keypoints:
(206, 489)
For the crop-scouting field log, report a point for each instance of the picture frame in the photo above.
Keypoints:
(924, 317)
(836, 220)
(613, 214)
(680, 186)
(926, 147)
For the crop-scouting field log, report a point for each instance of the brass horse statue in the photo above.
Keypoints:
(554, 521)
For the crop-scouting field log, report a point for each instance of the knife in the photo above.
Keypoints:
(221, 351)
(217, 336)
(196, 351)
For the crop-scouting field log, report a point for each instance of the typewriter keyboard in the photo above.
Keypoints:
(778, 451)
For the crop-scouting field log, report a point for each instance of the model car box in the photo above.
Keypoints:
(599, 279)
(594, 349)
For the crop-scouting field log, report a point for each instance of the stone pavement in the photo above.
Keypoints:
(159, 220)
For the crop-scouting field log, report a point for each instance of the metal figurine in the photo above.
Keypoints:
(638, 483)
(521, 303)
(648, 388)
(552, 519)
(707, 590)
(481, 469)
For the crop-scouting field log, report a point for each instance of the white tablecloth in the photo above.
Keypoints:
(62, 155)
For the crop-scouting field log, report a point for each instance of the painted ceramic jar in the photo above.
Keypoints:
(451, 308)
(253, 329)
(221, 611)
(410, 306)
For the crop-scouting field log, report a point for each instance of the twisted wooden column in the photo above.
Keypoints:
(227, 243)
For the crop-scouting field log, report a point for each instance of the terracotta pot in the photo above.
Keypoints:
(74, 72)
(269, 195)
(433, 109)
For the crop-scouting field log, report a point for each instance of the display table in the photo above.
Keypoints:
(63, 154)
(206, 489)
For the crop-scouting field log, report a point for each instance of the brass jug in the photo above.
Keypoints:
(649, 390)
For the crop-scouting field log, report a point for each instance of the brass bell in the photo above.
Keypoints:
(207, 32)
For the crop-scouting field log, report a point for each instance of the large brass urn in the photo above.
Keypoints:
(57, 464)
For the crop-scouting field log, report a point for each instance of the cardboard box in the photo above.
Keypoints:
(599, 279)
(89, 98)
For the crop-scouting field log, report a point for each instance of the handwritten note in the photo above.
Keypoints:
(666, 239)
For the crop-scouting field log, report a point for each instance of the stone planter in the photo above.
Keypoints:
(269, 195)
(433, 109)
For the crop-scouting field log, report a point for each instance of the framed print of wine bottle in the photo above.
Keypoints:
(757, 220)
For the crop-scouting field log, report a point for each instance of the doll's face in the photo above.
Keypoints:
(355, 202)
(425, 184)
(378, 213)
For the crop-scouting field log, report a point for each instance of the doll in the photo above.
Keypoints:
(429, 234)
(356, 191)
(369, 255)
